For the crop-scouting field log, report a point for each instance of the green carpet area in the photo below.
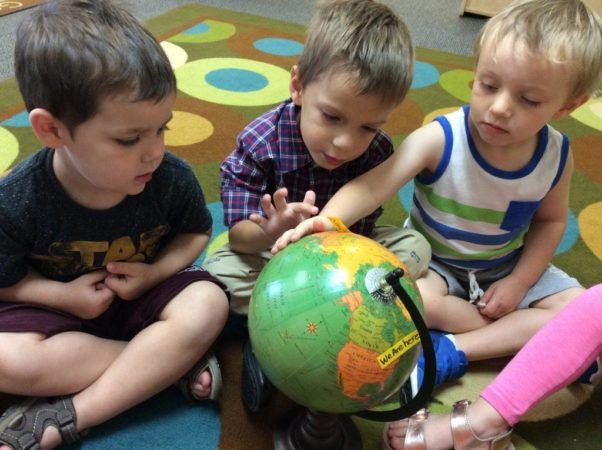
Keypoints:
(231, 67)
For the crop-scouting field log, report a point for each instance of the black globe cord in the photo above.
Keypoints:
(426, 389)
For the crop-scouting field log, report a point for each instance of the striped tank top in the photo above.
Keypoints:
(474, 215)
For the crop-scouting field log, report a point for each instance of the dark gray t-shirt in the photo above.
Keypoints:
(43, 228)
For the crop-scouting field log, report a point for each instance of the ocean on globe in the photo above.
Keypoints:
(325, 329)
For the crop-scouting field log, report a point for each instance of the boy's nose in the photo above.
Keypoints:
(343, 141)
(154, 150)
(502, 105)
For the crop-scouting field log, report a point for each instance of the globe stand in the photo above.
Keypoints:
(309, 429)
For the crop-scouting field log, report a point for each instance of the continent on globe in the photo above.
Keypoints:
(325, 330)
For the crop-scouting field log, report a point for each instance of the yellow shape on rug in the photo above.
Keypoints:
(590, 224)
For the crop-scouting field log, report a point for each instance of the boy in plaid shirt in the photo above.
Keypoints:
(355, 69)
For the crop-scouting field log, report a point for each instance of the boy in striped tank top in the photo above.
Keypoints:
(492, 184)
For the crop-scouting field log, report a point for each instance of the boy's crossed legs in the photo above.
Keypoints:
(480, 337)
(474, 336)
(111, 376)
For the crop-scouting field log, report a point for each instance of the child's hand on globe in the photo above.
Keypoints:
(312, 225)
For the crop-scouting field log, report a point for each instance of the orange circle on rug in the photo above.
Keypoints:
(206, 31)
(242, 43)
(587, 160)
(404, 119)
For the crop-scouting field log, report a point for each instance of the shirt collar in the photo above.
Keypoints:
(293, 151)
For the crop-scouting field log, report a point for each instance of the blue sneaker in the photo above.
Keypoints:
(451, 362)
(592, 374)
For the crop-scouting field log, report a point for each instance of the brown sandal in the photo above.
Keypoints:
(464, 437)
(414, 439)
(22, 425)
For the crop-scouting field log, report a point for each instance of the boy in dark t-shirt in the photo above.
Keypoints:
(98, 232)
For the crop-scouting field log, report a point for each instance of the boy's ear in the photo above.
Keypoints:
(295, 86)
(571, 106)
(47, 128)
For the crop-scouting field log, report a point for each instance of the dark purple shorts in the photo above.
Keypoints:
(122, 321)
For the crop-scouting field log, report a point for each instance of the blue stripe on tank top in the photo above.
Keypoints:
(455, 233)
(447, 152)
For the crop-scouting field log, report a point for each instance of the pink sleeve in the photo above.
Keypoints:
(553, 358)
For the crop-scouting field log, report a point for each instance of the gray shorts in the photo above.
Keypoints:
(552, 281)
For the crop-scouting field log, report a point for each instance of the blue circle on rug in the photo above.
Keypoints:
(191, 79)
(425, 74)
(278, 46)
(20, 120)
(205, 32)
(406, 194)
(166, 420)
(217, 214)
(569, 238)
(200, 28)
(236, 80)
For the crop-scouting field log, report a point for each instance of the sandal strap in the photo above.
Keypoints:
(24, 424)
(415, 434)
(414, 437)
(207, 362)
(465, 438)
(67, 419)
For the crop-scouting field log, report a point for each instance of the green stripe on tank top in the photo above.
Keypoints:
(468, 212)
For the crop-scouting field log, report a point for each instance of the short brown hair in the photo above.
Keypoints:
(72, 54)
(363, 38)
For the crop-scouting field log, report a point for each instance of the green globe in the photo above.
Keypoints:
(326, 330)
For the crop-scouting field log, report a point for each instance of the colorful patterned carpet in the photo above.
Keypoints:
(230, 68)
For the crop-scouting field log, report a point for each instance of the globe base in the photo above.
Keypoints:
(307, 429)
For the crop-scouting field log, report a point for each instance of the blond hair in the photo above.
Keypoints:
(363, 38)
(564, 32)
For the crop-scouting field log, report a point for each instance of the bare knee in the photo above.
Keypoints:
(215, 308)
(199, 311)
(558, 301)
(22, 359)
(433, 290)
(433, 305)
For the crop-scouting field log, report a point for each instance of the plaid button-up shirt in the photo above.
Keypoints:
(270, 154)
